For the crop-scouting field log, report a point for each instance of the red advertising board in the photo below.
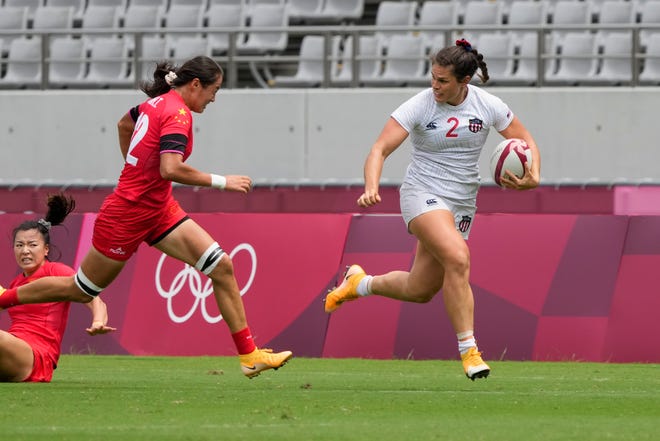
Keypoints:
(538, 280)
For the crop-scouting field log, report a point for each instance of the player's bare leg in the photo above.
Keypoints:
(442, 261)
(187, 243)
(99, 269)
(16, 358)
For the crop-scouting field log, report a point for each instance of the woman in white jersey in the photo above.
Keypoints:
(448, 125)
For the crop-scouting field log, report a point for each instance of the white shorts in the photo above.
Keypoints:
(415, 202)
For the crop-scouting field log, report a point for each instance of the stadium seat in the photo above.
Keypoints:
(68, 65)
(567, 12)
(188, 47)
(526, 13)
(404, 63)
(154, 49)
(368, 56)
(301, 10)
(649, 13)
(162, 4)
(650, 73)
(439, 42)
(223, 16)
(615, 12)
(576, 61)
(32, 6)
(550, 6)
(182, 16)
(503, 7)
(203, 4)
(104, 18)
(596, 6)
(436, 13)
(391, 13)
(121, 4)
(227, 2)
(311, 65)
(342, 10)
(12, 19)
(108, 63)
(23, 64)
(53, 18)
(526, 68)
(250, 5)
(498, 51)
(253, 3)
(143, 18)
(479, 13)
(616, 64)
(266, 16)
(77, 5)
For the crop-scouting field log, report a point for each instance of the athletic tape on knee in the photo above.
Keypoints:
(86, 285)
(210, 259)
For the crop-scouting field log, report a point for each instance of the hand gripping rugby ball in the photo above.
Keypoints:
(511, 154)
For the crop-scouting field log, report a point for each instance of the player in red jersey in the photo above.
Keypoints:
(30, 350)
(155, 139)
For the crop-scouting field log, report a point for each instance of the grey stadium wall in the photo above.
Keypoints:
(586, 135)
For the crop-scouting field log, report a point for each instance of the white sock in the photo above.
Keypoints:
(465, 345)
(364, 287)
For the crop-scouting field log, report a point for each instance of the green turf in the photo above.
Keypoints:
(206, 398)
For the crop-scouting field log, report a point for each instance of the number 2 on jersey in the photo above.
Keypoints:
(141, 126)
(451, 133)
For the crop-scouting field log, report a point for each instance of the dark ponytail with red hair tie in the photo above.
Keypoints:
(465, 44)
(464, 59)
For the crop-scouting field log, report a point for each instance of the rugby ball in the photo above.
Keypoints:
(511, 154)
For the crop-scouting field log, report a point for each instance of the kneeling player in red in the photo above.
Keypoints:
(30, 349)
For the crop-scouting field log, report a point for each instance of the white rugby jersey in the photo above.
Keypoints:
(447, 140)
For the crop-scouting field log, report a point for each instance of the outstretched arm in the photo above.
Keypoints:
(390, 138)
(99, 317)
(174, 169)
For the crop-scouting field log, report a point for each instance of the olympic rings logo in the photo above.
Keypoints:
(200, 292)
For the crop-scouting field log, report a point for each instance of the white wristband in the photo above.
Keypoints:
(218, 181)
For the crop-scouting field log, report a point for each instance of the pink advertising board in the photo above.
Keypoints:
(547, 287)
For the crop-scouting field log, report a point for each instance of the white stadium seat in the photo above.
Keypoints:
(266, 16)
(23, 63)
(405, 62)
(311, 64)
(576, 61)
(223, 16)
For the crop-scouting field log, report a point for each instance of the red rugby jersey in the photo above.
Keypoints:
(140, 178)
(41, 324)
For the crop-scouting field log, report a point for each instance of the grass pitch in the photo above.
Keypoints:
(207, 398)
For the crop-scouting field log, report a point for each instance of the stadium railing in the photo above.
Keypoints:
(261, 65)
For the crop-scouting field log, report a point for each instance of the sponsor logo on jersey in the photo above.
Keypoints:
(431, 201)
(431, 126)
(117, 251)
(475, 125)
(464, 223)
